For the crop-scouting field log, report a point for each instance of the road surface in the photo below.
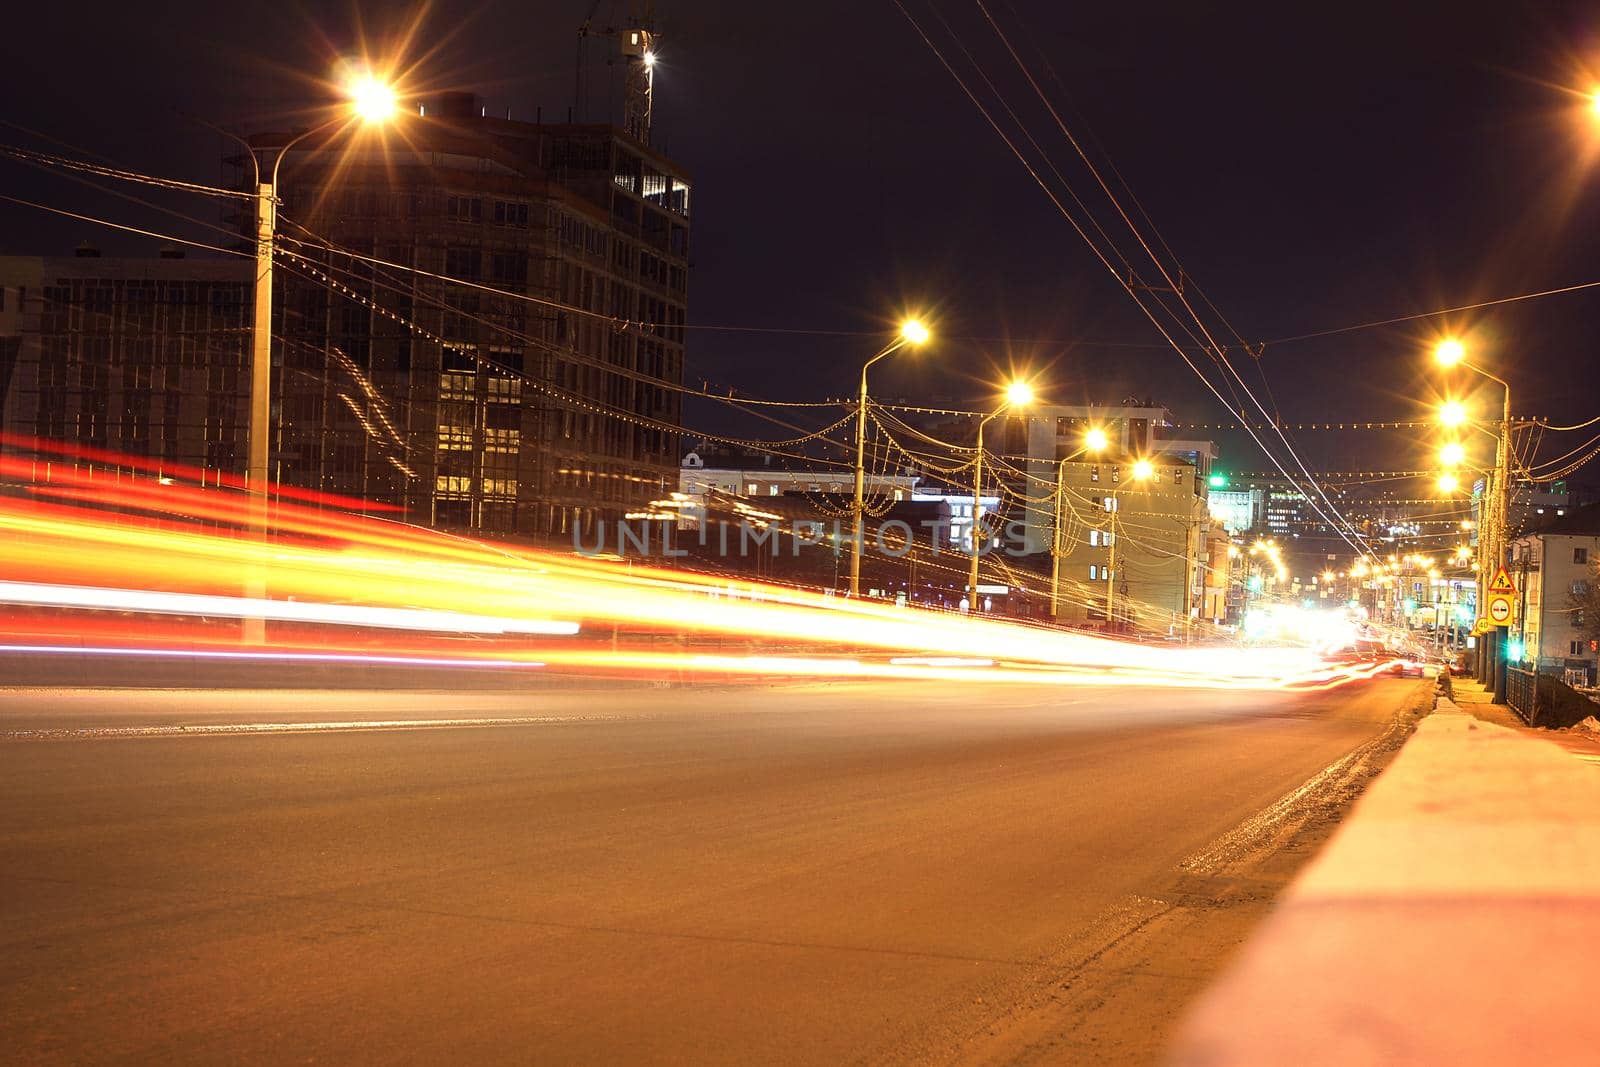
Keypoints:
(823, 874)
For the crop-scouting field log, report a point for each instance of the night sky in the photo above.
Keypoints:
(1311, 169)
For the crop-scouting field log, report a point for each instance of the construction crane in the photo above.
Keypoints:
(636, 39)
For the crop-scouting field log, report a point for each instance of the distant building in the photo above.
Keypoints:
(1550, 564)
(1160, 527)
(747, 473)
(148, 357)
(1237, 510)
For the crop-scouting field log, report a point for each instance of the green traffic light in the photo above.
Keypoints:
(1217, 481)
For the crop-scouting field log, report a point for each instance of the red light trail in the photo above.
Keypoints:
(137, 564)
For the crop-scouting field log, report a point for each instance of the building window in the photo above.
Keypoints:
(1574, 648)
(1580, 555)
(1094, 572)
(1094, 473)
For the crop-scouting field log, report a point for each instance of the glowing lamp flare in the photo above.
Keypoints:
(1143, 470)
(372, 99)
(914, 332)
(1452, 413)
(1453, 454)
(1095, 440)
(1019, 394)
(1449, 352)
(1448, 483)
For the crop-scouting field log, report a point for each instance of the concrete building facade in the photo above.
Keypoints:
(1550, 565)
(1156, 530)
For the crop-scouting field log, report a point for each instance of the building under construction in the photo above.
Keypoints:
(480, 319)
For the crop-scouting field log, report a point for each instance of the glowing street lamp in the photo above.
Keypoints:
(371, 101)
(1450, 353)
(1453, 454)
(1452, 413)
(1018, 394)
(1095, 441)
(914, 333)
(1448, 483)
(1143, 470)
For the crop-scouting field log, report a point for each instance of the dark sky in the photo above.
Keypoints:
(1312, 166)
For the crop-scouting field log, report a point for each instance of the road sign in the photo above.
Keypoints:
(1500, 608)
(1502, 583)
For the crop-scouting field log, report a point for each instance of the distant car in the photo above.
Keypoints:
(1403, 668)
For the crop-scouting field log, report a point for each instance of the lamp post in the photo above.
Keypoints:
(372, 102)
(1018, 394)
(1142, 471)
(911, 332)
(1452, 353)
(1093, 441)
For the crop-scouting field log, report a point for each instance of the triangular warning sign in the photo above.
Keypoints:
(1502, 582)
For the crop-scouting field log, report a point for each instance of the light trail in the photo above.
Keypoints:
(139, 566)
(239, 607)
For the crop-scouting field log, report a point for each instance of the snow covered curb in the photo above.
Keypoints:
(1452, 919)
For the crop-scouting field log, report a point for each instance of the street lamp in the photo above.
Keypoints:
(1448, 483)
(1143, 470)
(912, 332)
(1094, 441)
(1453, 454)
(371, 101)
(1018, 394)
(1451, 353)
(1452, 413)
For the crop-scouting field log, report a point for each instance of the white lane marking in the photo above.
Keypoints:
(67, 733)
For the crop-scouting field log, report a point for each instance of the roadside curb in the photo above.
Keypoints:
(1450, 919)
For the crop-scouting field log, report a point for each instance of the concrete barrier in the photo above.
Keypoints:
(1454, 918)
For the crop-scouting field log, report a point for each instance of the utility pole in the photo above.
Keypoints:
(1502, 522)
(372, 103)
(1018, 394)
(1055, 541)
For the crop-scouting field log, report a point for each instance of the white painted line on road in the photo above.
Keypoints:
(71, 733)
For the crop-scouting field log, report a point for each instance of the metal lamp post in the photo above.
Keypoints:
(911, 332)
(1093, 441)
(1018, 394)
(372, 102)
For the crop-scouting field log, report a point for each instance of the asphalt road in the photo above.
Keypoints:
(806, 874)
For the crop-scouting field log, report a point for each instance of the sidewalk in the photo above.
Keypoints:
(1474, 699)
(1452, 919)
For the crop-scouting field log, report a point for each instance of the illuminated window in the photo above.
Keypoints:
(455, 438)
